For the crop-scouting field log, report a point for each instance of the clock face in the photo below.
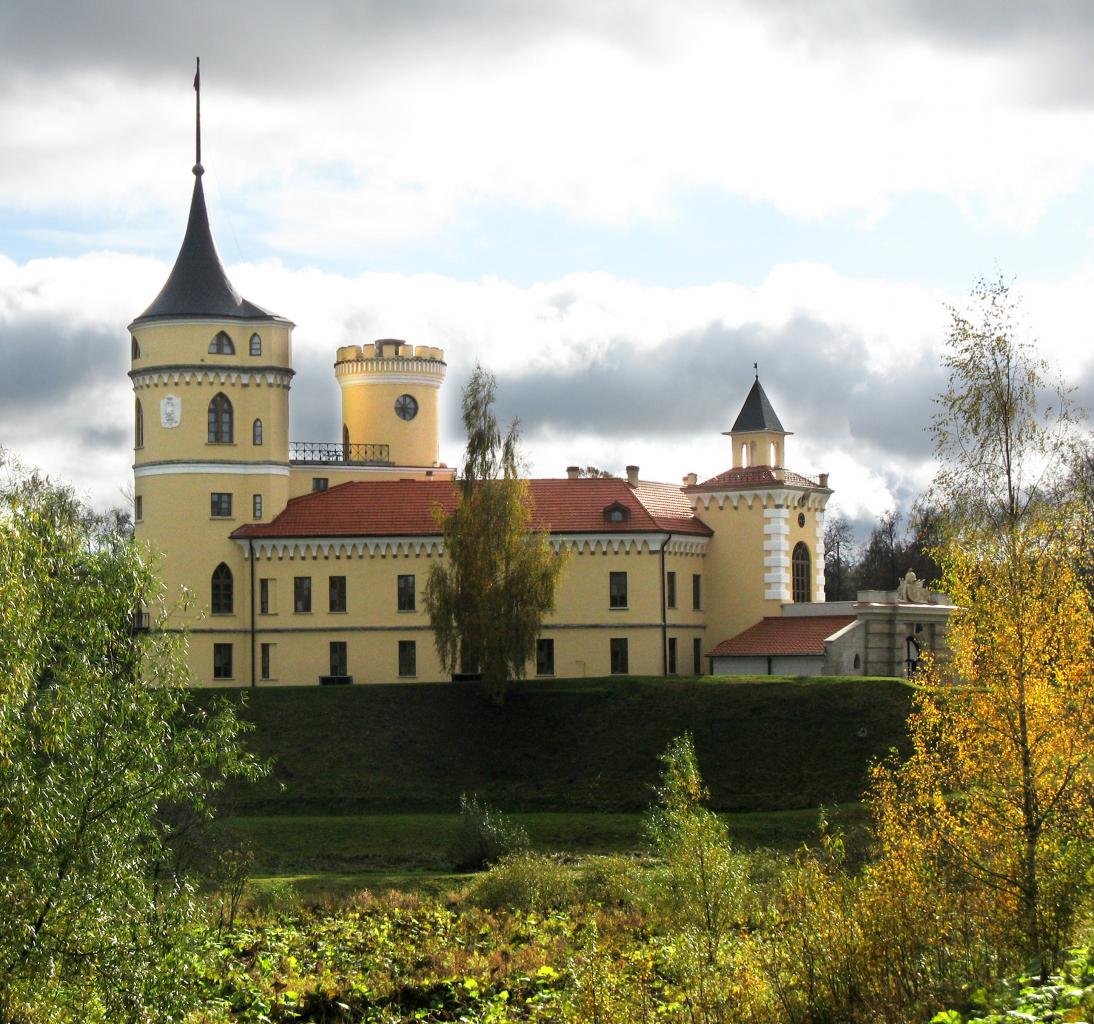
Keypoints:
(406, 407)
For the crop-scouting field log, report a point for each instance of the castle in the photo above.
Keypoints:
(307, 560)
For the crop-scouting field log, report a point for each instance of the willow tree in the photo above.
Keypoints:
(488, 598)
(994, 802)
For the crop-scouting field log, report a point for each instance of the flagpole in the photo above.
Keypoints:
(197, 122)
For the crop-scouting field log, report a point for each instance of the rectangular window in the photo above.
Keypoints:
(697, 591)
(266, 596)
(670, 590)
(301, 594)
(222, 661)
(697, 655)
(266, 659)
(220, 505)
(256, 507)
(408, 658)
(138, 508)
(339, 658)
(319, 483)
(337, 597)
(406, 593)
(672, 655)
(545, 657)
(619, 655)
(617, 590)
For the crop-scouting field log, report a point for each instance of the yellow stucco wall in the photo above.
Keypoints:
(582, 627)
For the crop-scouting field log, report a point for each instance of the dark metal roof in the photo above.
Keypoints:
(198, 285)
(756, 413)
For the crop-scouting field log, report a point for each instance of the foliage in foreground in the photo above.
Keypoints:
(97, 771)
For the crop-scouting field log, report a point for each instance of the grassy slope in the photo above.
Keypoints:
(587, 745)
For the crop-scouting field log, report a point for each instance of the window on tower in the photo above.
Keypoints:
(138, 425)
(799, 564)
(256, 433)
(136, 349)
(221, 345)
(222, 590)
(220, 420)
(256, 345)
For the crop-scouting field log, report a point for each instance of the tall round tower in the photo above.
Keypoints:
(211, 375)
(389, 401)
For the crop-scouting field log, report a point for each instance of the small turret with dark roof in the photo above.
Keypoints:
(757, 413)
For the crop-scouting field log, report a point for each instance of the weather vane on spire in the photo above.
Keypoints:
(756, 368)
(198, 169)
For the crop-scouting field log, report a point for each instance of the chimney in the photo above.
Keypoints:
(691, 479)
(573, 472)
(823, 479)
(632, 476)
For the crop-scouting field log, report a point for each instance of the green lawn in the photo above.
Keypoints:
(400, 850)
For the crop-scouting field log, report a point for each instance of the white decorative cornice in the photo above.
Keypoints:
(229, 468)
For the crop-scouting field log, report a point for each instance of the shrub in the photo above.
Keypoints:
(483, 836)
(526, 881)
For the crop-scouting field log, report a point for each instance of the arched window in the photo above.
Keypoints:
(222, 590)
(256, 432)
(256, 345)
(772, 458)
(222, 345)
(799, 565)
(345, 443)
(138, 425)
(220, 420)
(744, 456)
(136, 349)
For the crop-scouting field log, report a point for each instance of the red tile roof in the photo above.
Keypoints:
(752, 476)
(796, 634)
(390, 508)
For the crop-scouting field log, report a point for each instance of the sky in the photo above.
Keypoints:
(616, 206)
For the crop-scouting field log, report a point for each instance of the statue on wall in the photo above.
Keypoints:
(913, 590)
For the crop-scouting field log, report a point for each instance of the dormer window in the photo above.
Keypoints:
(221, 345)
(617, 513)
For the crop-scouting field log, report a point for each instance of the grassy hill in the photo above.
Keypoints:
(565, 745)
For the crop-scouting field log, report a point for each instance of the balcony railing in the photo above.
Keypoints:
(325, 452)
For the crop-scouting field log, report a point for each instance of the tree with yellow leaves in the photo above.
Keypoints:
(994, 803)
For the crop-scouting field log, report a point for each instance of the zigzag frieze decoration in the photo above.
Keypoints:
(312, 549)
(152, 378)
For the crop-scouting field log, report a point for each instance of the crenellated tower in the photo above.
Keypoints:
(389, 394)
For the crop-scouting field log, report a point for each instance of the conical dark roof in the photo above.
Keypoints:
(198, 285)
(756, 413)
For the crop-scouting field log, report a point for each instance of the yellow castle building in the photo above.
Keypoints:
(306, 561)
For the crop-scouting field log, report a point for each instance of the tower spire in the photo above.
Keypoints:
(198, 169)
(198, 285)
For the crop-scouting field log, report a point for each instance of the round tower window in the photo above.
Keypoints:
(801, 519)
(406, 407)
